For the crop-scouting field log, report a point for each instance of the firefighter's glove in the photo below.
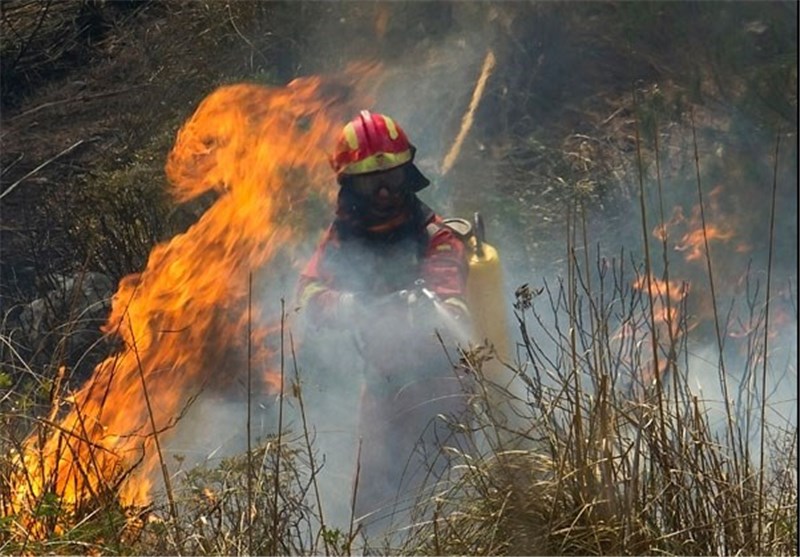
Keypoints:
(418, 306)
(406, 297)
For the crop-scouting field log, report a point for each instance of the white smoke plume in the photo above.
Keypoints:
(426, 87)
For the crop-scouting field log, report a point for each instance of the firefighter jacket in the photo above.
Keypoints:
(354, 258)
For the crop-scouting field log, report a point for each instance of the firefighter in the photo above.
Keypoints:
(364, 278)
(383, 238)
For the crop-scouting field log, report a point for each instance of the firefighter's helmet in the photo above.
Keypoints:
(375, 143)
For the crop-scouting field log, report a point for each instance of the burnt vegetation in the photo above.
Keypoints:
(598, 117)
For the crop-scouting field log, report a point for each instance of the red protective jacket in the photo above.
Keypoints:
(350, 259)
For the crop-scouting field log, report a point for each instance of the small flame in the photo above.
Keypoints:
(694, 233)
(183, 321)
(692, 242)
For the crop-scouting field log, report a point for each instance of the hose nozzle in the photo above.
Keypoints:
(419, 284)
(429, 294)
(480, 233)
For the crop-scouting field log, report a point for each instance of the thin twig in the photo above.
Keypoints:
(298, 391)
(164, 471)
(12, 164)
(249, 414)
(28, 42)
(722, 373)
(758, 548)
(280, 433)
(79, 98)
(355, 496)
(45, 163)
(245, 39)
(572, 295)
(649, 275)
(611, 116)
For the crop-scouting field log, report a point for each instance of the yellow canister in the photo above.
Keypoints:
(485, 298)
(484, 287)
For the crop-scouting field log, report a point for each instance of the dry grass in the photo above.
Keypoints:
(613, 449)
(608, 457)
(605, 462)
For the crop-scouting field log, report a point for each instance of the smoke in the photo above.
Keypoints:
(333, 375)
(430, 67)
(426, 84)
(737, 175)
(374, 395)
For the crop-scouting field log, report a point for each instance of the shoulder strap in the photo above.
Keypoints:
(461, 227)
(433, 227)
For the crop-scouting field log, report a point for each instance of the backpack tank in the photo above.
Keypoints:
(485, 296)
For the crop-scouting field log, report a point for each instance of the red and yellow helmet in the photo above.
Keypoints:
(374, 143)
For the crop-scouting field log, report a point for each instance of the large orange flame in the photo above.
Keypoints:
(183, 322)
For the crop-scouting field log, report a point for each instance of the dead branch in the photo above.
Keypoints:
(45, 163)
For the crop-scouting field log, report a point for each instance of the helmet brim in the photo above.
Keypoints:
(416, 179)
